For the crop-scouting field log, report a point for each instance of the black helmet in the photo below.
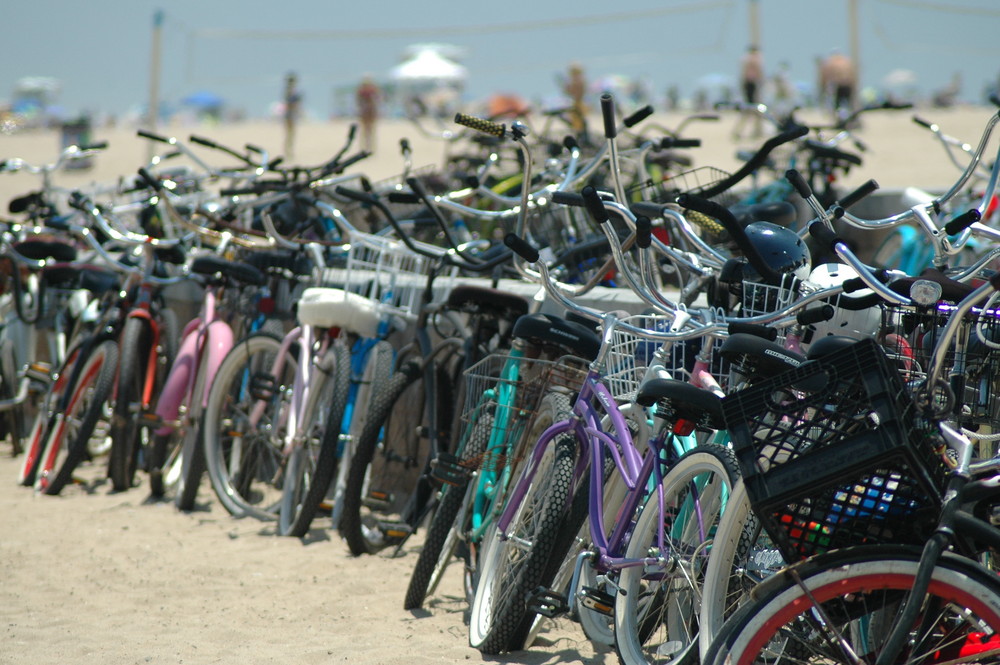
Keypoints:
(780, 248)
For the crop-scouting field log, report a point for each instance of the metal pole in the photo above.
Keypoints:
(855, 46)
(152, 113)
(755, 24)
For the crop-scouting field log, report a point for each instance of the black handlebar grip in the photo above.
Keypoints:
(736, 232)
(858, 194)
(203, 141)
(100, 145)
(521, 247)
(481, 125)
(471, 181)
(570, 143)
(824, 235)
(608, 111)
(963, 221)
(403, 197)
(568, 198)
(250, 147)
(920, 121)
(76, 200)
(995, 279)
(595, 206)
(643, 232)
(150, 180)
(995, 98)
(150, 135)
(361, 197)
(647, 208)
(673, 142)
(799, 183)
(755, 329)
(817, 314)
(857, 284)
(638, 116)
(404, 145)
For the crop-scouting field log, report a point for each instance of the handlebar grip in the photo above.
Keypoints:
(253, 148)
(150, 135)
(608, 111)
(570, 143)
(647, 208)
(995, 278)
(824, 235)
(963, 221)
(100, 145)
(481, 125)
(674, 142)
(858, 194)
(799, 183)
(896, 106)
(643, 232)
(595, 206)
(404, 145)
(150, 180)
(361, 197)
(77, 200)
(521, 247)
(208, 143)
(403, 197)
(638, 116)
(736, 231)
(923, 123)
(568, 199)
(857, 284)
(755, 329)
(816, 314)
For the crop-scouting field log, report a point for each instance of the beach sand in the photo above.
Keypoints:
(95, 577)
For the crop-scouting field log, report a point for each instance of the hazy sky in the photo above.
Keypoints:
(101, 52)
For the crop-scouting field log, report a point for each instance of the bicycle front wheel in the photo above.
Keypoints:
(656, 608)
(243, 428)
(846, 601)
(135, 347)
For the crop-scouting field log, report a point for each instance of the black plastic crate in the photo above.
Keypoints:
(834, 453)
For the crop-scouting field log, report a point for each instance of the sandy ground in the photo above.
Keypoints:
(98, 577)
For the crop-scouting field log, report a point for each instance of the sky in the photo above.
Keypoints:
(102, 53)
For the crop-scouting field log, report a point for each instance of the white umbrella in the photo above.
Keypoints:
(428, 65)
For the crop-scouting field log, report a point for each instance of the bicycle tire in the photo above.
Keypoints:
(12, 424)
(656, 604)
(312, 466)
(47, 409)
(185, 463)
(132, 367)
(513, 567)
(67, 443)
(442, 536)
(244, 460)
(860, 590)
(359, 526)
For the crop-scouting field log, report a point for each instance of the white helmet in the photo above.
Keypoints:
(857, 324)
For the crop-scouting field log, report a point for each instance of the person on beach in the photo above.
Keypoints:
(751, 83)
(838, 81)
(292, 108)
(575, 87)
(367, 99)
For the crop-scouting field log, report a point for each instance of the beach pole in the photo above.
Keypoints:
(152, 113)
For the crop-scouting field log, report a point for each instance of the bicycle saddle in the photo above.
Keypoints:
(279, 261)
(547, 330)
(242, 272)
(40, 250)
(756, 357)
(93, 279)
(489, 302)
(326, 307)
(667, 158)
(678, 401)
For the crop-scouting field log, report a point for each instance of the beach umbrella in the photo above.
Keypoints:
(428, 65)
(203, 100)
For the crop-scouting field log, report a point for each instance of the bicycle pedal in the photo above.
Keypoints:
(448, 469)
(378, 500)
(597, 600)
(395, 531)
(548, 603)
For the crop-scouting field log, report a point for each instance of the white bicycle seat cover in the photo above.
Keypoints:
(326, 307)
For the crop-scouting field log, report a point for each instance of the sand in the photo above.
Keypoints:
(95, 577)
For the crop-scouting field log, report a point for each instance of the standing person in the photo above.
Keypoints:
(292, 109)
(751, 83)
(575, 87)
(839, 80)
(367, 99)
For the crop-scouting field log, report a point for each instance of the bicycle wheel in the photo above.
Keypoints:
(656, 608)
(132, 368)
(514, 564)
(243, 448)
(47, 409)
(842, 610)
(83, 423)
(442, 536)
(312, 465)
(12, 423)
(386, 465)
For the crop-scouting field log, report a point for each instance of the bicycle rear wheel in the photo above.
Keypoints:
(849, 602)
(132, 370)
(84, 421)
(312, 465)
(48, 408)
(656, 609)
(243, 449)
